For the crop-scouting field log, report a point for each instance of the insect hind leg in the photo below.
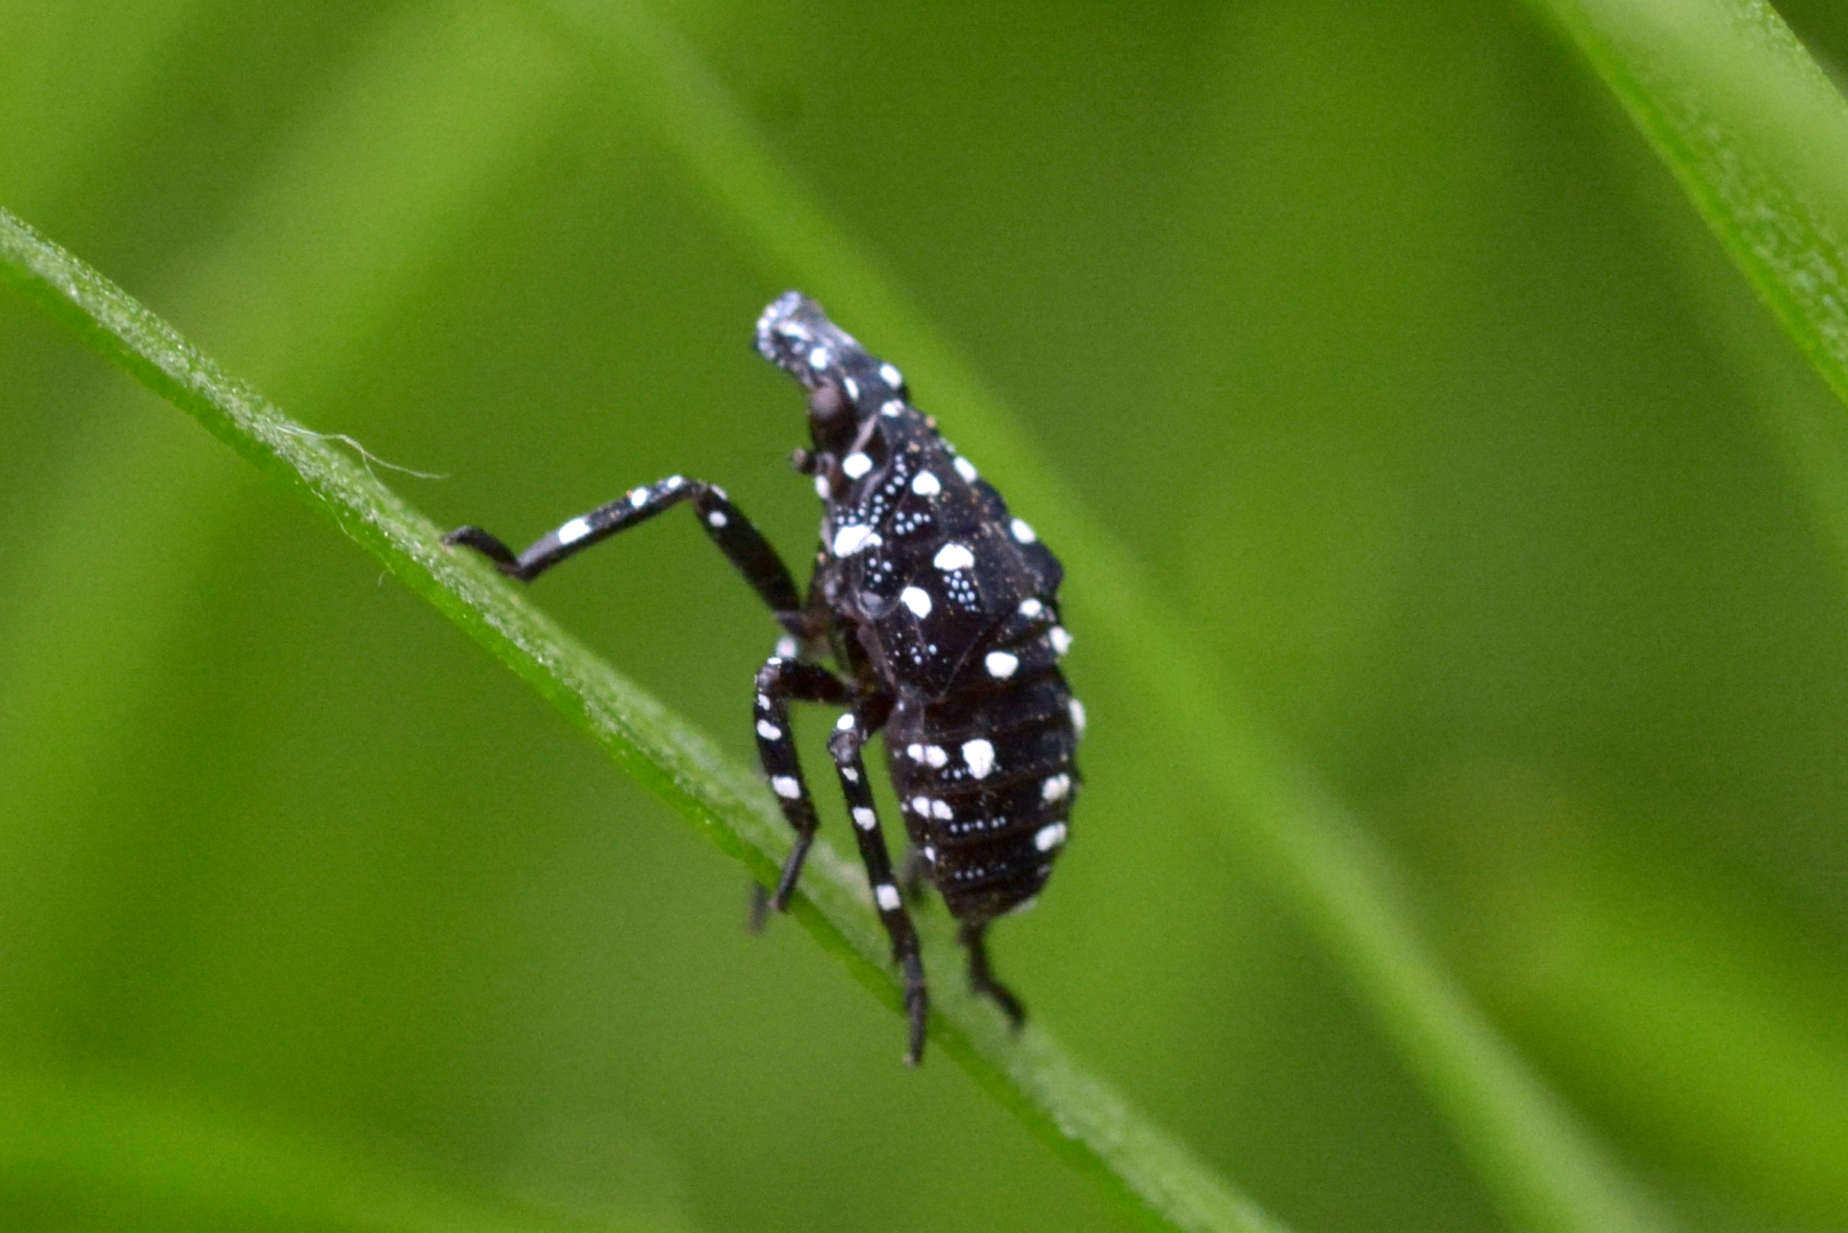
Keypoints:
(974, 937)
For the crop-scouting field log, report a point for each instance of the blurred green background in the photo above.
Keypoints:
(1375, 332)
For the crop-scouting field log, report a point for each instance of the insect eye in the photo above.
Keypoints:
(826, 401)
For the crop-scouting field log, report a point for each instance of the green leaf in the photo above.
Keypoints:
(1757, 136)
(1080, 1116)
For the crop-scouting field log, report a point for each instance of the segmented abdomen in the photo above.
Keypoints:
(985, 778)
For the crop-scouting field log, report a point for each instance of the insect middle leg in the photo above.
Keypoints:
(850, 735)
(780, 681)
(743, 545)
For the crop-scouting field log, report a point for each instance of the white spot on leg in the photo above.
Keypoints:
(952, 557)
(822, 488)
(638, 498)
(916, 599)
(717, 518)
(850, 775)
(1000, 664)
(1023, 533)
(1061, 641)
(844, 723)
(980, 756)
(887, 895)
(769, 731)
(1049, 837)
(1077, 709)
(925, 484)
(786, 787)
(763, 702)
(966, 469)
(786, 647)
(865, 818)
(574, 531)
(856, 464)
(850, 539)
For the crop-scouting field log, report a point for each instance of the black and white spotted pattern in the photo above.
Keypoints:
(940, 609)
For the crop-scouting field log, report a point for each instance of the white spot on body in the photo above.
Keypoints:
(865, 818)
(1056, 788)
(966, 469)
(852, 387)
(980, 756)
(952, 557)
(920, 805)
(925, 484)
(930, 854)
(941, 810)
(1000, 664)
(1031, 608)
(915, 752)
(1077, 709)
(786, 787)
(1049, 837)
(887, 895)
(574, 531)
(853, 537)
(769, 731)
(892, 407)
(844, 723)
(717, 518)
(916, 599)
(893, 377)
(1023, 533)
(819, 357)
(786, 647)
(856, 464)
(850, 775)
(822, 487)
(934, 755)
(1061, 641)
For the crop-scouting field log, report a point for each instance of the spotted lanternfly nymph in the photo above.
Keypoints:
(941, 610)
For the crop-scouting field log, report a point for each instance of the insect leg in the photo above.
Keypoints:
(779, 682)
(722, 521)
(850, 734)
(973, 936)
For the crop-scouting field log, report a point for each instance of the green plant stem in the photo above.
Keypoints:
(1080, 1116)
(1545, 1169)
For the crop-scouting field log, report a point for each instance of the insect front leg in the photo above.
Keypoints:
(724, 524)
(850, 735)
(780, 681)
(973, 936)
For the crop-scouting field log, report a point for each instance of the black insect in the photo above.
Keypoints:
(941, 610)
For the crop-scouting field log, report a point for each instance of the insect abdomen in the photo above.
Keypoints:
(985, 780)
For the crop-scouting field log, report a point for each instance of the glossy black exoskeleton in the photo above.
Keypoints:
(941, 610)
